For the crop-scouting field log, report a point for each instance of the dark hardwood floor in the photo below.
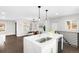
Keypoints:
(14, 44)
(70, 49)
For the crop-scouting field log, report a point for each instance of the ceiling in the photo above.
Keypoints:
(20, 12)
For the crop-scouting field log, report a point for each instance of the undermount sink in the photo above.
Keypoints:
(44, 39)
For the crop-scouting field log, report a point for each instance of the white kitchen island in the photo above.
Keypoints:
(42, 43)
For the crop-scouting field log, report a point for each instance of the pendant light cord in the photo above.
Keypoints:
(39, 11)
(46, 14)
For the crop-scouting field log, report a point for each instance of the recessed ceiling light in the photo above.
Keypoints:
(2, 13)
(57, 13)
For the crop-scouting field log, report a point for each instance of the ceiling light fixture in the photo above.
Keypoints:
(39, 12)
(56, 13)
(2, 13)
(46, 13)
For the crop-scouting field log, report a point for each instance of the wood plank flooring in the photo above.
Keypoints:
(70, 49)
(12, 44)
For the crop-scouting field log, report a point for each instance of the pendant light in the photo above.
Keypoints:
(46, 14)
(45, 25)
(39, 12)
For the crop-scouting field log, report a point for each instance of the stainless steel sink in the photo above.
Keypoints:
(44, 39)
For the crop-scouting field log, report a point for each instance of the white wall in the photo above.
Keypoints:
(61, 22)
(19, 27)
(9, 27)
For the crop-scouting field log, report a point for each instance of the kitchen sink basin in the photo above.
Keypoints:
(44, 39)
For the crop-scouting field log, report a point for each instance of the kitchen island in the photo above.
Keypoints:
(43, 43)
